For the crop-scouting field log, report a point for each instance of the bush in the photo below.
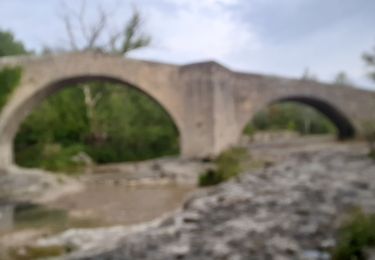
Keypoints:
(51, 157)
(355, 236)
(9, 80)
(369, 135)
(228, 165)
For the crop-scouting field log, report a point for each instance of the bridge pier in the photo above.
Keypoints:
(210, 124)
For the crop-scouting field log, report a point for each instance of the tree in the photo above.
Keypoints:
(369, 58)
(120, 42)
(9, 45)
(98, 35)
(9, 77)
(307, 75)
(369, 127)
(342, 79)
(103, 120)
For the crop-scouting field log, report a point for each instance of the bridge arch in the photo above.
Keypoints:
(17, 111)
(345, 128)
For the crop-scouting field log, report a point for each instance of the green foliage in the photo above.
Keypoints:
(249, 130)
(9, 80)
(293, 117)
(127, 126)
(10, 46)
(132, 38)
(369, 135)
(228, 165)
(355, 235)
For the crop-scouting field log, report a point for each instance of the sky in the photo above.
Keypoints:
(277, 37)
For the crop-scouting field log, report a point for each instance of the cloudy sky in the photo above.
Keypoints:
(281, 37)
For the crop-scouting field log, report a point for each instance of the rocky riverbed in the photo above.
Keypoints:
(290, 210)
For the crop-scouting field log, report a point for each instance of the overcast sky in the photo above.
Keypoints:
(282, 37)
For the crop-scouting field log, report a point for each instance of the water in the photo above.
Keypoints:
(124, 204)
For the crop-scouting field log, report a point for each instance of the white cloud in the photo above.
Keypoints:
(207, 30)
(202, 3)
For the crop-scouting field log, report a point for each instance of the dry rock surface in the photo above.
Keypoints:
(287, 211)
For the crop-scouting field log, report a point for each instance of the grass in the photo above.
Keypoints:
(355, 236)
(228, 164)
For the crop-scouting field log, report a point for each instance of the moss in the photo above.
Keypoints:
(356, 235)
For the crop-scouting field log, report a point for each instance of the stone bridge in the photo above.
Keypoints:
(209, 103)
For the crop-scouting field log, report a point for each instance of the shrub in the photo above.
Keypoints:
(9, 80)
(369, 135)
(355, 236)
(51, 157)
(228, 165)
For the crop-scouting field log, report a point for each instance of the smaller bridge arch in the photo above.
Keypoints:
(345, 129)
